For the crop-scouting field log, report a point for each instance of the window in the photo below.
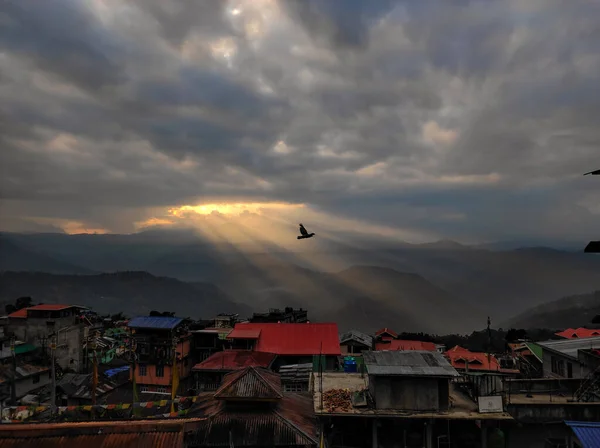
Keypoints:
(36, 379)
(569, 370)
(143, 370)
(162, 389)
(295, 387)
(185, 362)
(144, 389)
(160, 371)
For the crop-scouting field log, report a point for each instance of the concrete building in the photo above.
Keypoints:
(288, 315)
(409, 380)
(38, 324)
(28, 378)
(355, 342)
(155, 339)
(560, 358)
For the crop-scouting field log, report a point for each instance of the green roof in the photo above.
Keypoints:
(24, 348)
(535, 349)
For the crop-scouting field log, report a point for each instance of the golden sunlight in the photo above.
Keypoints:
(232, 209)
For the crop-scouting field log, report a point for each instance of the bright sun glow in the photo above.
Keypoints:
(232, 209)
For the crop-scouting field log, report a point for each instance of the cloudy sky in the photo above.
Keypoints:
(470, 120)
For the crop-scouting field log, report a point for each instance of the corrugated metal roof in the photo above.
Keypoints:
(167, 323)
(235, 359)
(588, 433)
(358, 336)
(569, 347)
(573, 333)
(408, 363)
(239, 333)
(289, 422)
(295, 339)
(251, 383)
(104, 434)
(399, 344)
(249, 429)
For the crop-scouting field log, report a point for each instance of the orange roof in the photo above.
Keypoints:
(399, 344)
(45, 307)
(117, 434)
(574, 333)
(460, 358)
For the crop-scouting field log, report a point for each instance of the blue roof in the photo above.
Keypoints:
(165, 323)
(113, 372)
(588, 433)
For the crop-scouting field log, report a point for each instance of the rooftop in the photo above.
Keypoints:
(295, 339)
(291, 422)
(235, 359)
(358, 336)
(251, 383)
(386, 331)
(408, 363)
(461, 358)
(22, 313)
(573, 333)
(399, 344)
(462, 407)
(239, 333)
(569, 347)
(116, 434)
(588, 433)
(163, 323)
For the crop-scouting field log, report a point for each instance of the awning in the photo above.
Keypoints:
(244, 334)
(588, 433)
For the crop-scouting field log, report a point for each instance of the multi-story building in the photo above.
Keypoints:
(38, 324)
(288, 315)
(155, 340)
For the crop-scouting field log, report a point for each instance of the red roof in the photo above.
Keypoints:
(574, 333)
(235, 359)
(461, 357)
(22, 313)
(295, 339)
(238, 333)
(386, 331)
(399, 344)
(46, 307)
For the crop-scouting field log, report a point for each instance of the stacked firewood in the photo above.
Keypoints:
(337, 400)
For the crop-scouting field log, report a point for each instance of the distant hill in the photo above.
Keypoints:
(501, 283)
(131, 292)
(568, 312)
(16, 258)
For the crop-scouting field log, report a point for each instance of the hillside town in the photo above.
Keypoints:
(278, 379)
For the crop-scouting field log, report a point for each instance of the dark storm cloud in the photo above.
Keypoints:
(64, 38)
(461, 117)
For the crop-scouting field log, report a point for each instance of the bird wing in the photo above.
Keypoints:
(303, 230)
(597, 172)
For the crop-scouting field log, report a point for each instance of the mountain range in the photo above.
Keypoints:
(436, 287)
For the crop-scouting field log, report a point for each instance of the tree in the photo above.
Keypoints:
(10, 308)
(23, 302)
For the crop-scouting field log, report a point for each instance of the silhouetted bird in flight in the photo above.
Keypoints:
(593, 173)
(304, 233)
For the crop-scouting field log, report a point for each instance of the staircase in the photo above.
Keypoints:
(589, 390)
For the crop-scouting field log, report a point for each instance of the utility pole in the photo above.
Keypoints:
(53, 391)
(13, 388)
(489, 331)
